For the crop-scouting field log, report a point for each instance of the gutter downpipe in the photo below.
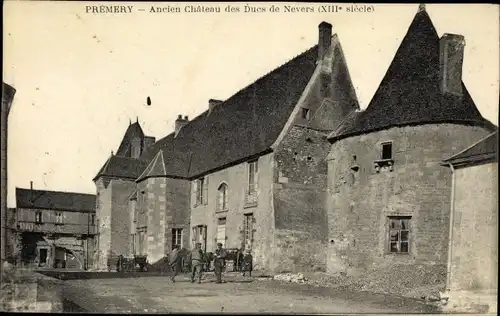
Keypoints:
(450, 238)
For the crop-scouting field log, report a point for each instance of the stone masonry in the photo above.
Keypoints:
(361, 199)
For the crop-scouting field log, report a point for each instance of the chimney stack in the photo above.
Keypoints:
(179, 123)
(325, 39)
(451, 57)
(212, 103)
(31, 191)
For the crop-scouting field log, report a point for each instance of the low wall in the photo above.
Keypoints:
(28, 291)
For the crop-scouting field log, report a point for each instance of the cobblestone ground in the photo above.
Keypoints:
(238, 295)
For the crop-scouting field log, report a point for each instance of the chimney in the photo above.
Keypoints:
(31, 191)
(212, 103)
(451, 57)
(179, 123)
(325, 39)
(148, 141)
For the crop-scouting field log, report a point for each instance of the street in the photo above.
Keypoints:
(238, 295)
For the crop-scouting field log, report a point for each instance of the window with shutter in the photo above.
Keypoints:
(252, 184)
(248, 230)
(204, 198)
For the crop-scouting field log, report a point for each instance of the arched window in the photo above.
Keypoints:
(222, 201)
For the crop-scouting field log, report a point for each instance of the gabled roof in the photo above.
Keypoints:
(245, 125)
(121, 167)
(65, 201)
(410, 90)
(485, 150)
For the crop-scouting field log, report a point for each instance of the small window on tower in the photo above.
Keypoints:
(387, 151)
(306, 113)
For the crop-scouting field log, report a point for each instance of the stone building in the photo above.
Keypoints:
(473, 253)
(388, 194)
(249, 172)
(54, 229)
(8, 93)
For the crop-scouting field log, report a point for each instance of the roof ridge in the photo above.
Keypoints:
(163, 162)
(279, 67)
(55, 191)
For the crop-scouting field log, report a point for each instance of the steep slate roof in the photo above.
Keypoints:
(155, 168)
(67, 201)
(410, 92)
(245, 125)
(121, 167)
(485, 150)
(134, 130)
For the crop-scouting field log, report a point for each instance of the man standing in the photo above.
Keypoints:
(248, 263)
(196, 262)
(175, 262)
(220, 256)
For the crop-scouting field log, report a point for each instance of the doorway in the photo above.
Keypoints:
(43, 257)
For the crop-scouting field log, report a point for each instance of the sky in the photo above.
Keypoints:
(81, 77)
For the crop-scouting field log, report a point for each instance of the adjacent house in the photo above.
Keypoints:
(249, 172)
(388, 194)
(473, 253)
(54, 229)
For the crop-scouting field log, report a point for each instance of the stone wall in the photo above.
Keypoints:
(120, 224)
(103, 215)
(475, 229)
(360, 199)
(299, 193)
(151, 206)
(178, 194)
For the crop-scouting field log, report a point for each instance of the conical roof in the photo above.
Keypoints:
(409, 93)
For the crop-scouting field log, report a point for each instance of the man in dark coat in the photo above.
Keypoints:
(197, 260)
(248, 263)
(175, 262)
(219, 262)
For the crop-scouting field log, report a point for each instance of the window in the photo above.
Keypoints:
(92, 219)
(222, 198)
(221, 231)
(176, 237)
(200, 189)
(305, 113)
(38, 217)
(248, 230)
(59, 218)
(387, 151)
(252, 177)
(399, 234)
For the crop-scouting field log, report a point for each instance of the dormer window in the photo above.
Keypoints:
(306, 113)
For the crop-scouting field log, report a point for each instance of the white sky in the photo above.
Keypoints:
(81, 77)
